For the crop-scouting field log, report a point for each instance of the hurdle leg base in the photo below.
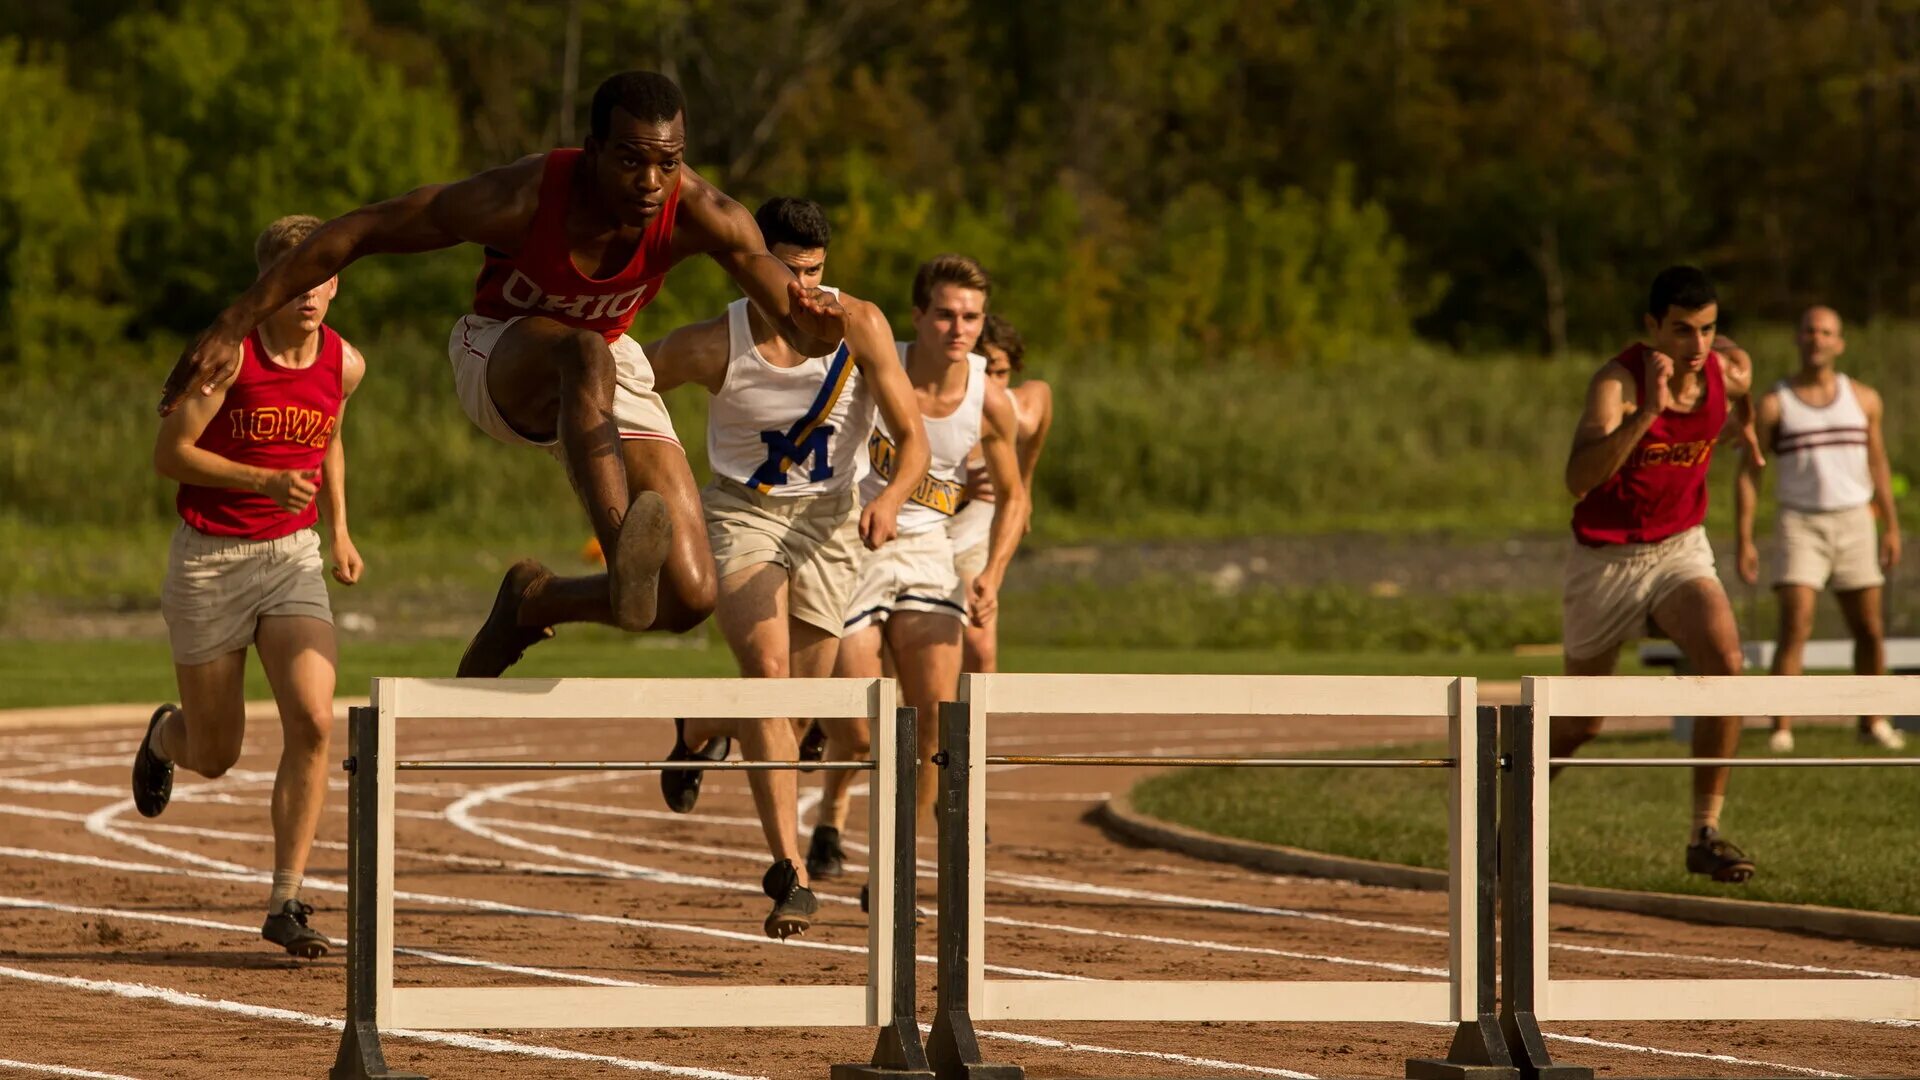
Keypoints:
(955, 1053)
(897, 1054)
(360, 1057)
(1529, 1050)
(877, 1072)
(1478, 1052)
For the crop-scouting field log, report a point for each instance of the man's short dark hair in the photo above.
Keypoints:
(647, 96)
(1683, 287)
(784, 219)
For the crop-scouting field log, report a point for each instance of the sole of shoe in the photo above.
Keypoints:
(503, 619)
(633, 574)
(144, 761)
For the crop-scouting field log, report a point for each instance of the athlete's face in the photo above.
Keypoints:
(303, 314)
(952, 320)
(637, 165)
(807, 264)
(1820, 340)
(1687, 336)
(999, 367)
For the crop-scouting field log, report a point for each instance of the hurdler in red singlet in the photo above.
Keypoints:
(542, 279)
(254, 460)
(1640, 554)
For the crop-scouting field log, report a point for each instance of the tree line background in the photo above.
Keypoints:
(1286, 180)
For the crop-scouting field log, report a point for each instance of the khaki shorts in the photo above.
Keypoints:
(1837, 547)
(815, 538)
(912, 573)
(1611, 591)
(638, 412)
(217, 588)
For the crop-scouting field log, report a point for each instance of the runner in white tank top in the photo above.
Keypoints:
(1824, 433)
(908, 600)
(1032, 403)
(784, 435)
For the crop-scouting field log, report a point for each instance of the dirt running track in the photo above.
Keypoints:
(129, 948)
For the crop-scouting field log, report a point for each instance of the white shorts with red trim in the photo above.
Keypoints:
(637, 410)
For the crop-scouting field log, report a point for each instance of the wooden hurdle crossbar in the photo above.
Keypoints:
(1464, 997)
(1688, 998)
(375, 1002)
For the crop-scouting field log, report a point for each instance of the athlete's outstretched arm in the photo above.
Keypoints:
(712, 224)
(998, 435)
(1611, 424)
(870, 341)
(494, 208)
(1746, 493)
(347, 564)
(695, 353)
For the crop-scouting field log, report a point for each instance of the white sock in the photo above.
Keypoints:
(286, 886)
(155, 743)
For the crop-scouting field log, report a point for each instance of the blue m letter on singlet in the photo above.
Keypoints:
(783, 454)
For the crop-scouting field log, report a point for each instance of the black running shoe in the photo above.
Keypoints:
(681, 787)
(813, 746)
(288, 929)
(793, 903)
(1717, 858)
(153, 778)
(501, 640)
(825, 857)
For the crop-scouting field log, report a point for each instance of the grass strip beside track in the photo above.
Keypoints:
(1838, 837)
(102, 670)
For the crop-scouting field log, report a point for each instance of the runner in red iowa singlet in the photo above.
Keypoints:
(1640, 554)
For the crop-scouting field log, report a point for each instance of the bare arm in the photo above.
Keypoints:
(1611, 424)
(177, 458)
(1746, 492)
(870, 341)
(333, 476)
(1037, 399)
(712, 224)
(998, 433)
(1882, 471)
(695, 353)
(493, 207)
(1737, 376)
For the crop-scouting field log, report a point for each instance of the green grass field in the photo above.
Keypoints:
(90, 671)
(1842, 837)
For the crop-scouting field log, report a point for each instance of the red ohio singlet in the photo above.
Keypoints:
(274, 417)
(543, 280)
(1661, 491)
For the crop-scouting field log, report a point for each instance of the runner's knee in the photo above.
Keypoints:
(585, 357)
(307, 730)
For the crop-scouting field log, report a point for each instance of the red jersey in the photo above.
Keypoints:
(274, 417)
(1661, 491)
(543, 280)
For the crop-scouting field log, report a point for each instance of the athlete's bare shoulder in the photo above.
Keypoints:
(353, 368)
(495, 207)
(1867, 396)
(709, 221)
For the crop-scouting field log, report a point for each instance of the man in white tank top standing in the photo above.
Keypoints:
(784, 438)
(1825, 433)
(909, 599)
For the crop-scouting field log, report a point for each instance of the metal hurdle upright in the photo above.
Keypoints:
(1466, 998)
(1530, 995)
(885, 1000)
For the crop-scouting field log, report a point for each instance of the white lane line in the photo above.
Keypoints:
(36, 1069)
(1221, 946)
(184, 999)
(26, 904)
(1157, 1055)
(1724, 1059)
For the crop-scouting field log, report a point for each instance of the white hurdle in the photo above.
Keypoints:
(398, 701)
(1458, 999)
(1702, 999)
